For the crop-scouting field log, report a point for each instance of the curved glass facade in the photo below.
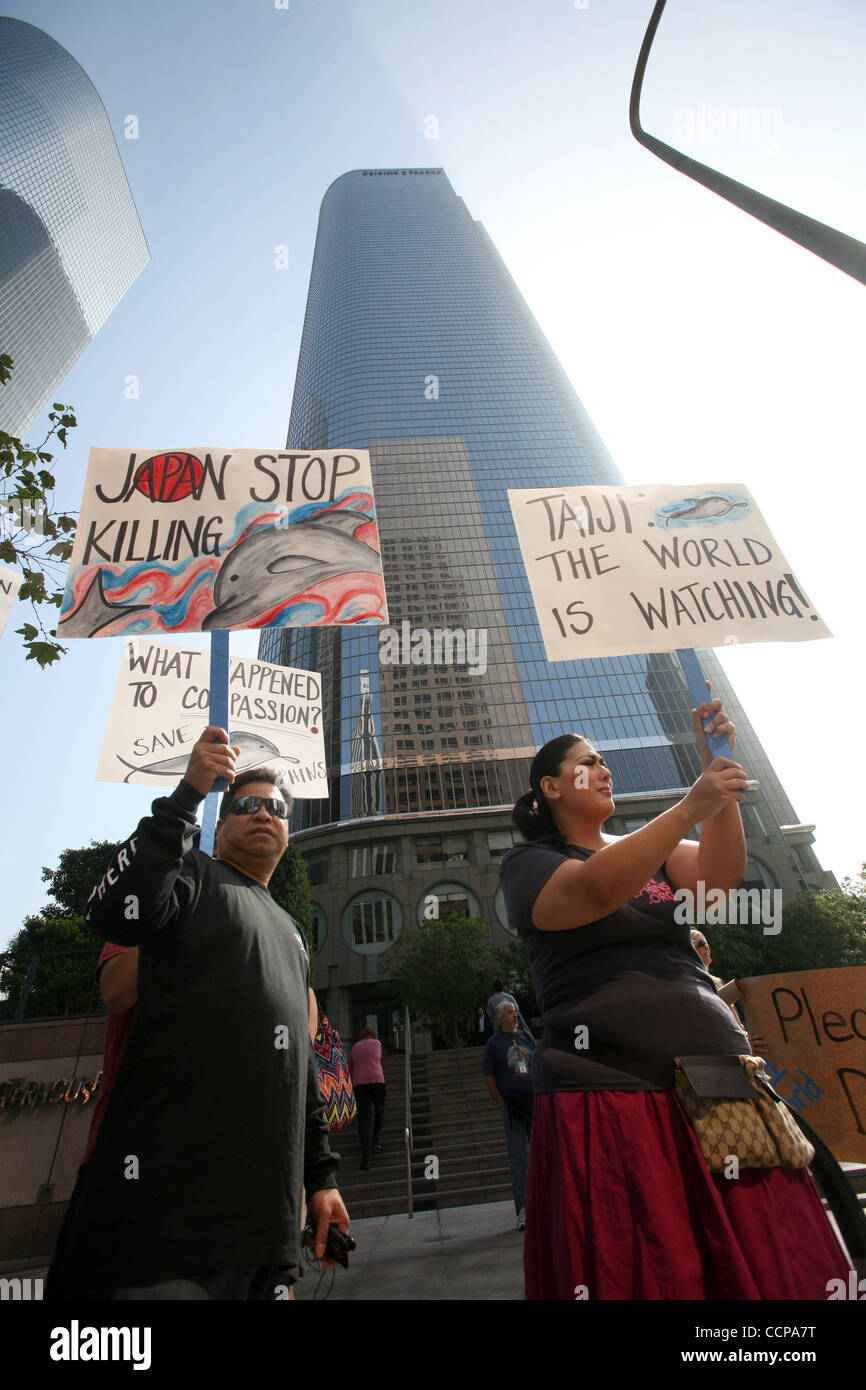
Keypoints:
(72, 243)
(418, 346)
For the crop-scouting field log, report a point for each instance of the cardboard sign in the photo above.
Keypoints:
(615, 570)
(815, 1025)
(191, 540)
(10, 583)
(160, 709)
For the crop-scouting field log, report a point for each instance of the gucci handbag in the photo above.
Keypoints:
(730, 1106)
(734, 1111)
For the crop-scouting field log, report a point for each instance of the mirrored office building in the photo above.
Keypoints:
(71, 243)
(418, 346)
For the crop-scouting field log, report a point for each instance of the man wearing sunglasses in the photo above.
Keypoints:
(215, 1125)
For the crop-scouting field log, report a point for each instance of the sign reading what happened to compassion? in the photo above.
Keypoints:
(814, 1022)
(202, 539)
(615, 570)
(161, 707)
(10, 583)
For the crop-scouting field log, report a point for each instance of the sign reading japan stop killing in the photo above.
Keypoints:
(615, 570)
(193, 540)
(160, 709)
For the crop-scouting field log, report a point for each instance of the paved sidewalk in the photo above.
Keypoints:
(460, 1254)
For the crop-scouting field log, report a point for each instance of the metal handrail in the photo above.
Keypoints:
(407, 1130)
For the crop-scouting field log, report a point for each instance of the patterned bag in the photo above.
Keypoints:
(734, 1112)
(335, 1084)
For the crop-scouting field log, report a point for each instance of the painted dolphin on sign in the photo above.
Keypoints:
(266, 570)
(94, 612)
(711, 504)
(254, 751)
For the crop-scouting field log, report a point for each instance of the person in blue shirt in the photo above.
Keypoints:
(507, 1068)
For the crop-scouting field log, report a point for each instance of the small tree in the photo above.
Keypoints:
(512, 968)
(61, 982)
(56, 959)
(820, 931)
(441, 970)
(77, 871)
(40, 540)
(290, 887)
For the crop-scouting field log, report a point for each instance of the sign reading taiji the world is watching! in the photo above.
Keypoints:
(161, 705)
(193, 540)
(10, 583)
(615, 570)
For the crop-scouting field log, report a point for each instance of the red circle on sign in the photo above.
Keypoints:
(169, 477)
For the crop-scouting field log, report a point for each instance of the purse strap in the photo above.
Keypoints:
(833, 1185)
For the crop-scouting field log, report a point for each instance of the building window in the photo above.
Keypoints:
(317, 868)
(632, 823)
(371, 922)
(498, 841)
(502, 911)
(443, 849)
(372, 859)
(757, 875)
(451, 899)
(320, 927)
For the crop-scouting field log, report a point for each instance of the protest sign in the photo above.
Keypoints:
(10, 583)
(615, 570)
(814, 1022)
(161, 705)
(201, 539)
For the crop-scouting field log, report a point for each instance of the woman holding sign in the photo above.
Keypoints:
(621, 1203)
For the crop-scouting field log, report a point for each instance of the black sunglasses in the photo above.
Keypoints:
(248, 805)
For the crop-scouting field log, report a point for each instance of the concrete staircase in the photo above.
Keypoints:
(454, 1121)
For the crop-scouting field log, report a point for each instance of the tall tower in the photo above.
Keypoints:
(71, 243)
(418, 346)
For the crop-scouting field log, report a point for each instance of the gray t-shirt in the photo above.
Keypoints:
(632, 979)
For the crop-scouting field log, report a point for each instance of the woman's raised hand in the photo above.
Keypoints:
(720, 784)
(719, 724)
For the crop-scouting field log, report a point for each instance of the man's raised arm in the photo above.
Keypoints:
(153, 877)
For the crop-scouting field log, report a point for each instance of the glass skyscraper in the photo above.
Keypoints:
(71, 243)
(418, 346)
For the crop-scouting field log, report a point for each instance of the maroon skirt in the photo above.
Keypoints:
(621, 1205)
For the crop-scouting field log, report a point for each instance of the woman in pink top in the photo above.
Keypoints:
(368, 1082)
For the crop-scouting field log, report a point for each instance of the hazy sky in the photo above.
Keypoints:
(705, 347)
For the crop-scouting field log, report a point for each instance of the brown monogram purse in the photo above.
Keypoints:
(735, 1112)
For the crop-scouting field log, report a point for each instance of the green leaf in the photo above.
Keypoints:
(44, 652)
